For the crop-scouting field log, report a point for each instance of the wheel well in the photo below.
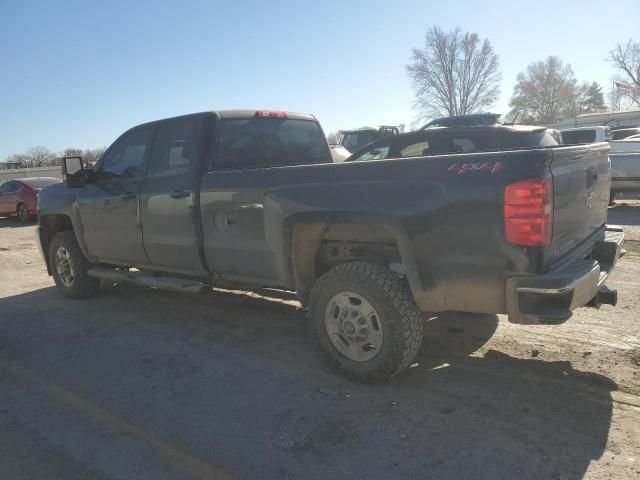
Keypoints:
(49, 226)
(317, 248)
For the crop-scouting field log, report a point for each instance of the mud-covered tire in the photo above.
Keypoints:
(400, 318)
(22, 212)
(78, 284)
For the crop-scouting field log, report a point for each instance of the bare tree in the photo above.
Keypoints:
(626, 59)
(71, 152)
(38, 156)
(544, 91)
(454, 73)
(92, 155)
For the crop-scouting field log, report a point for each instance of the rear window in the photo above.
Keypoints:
(41, 182)
(262, 142)
(578, 136)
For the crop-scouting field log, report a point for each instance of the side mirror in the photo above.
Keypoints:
(73, 172)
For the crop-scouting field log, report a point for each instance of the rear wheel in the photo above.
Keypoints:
(69, 267)
(23, 213)
(366, 321)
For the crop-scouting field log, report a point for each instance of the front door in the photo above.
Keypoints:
(109, 208)
(167, 197)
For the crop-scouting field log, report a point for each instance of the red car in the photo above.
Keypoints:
(19, 197)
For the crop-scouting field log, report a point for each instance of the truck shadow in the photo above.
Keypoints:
(238, 368)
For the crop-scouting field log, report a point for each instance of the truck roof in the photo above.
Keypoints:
(250, 113)
(236, 113)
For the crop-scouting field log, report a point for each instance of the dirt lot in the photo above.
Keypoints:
(149, 385)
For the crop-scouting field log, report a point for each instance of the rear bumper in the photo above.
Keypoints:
(550, 298)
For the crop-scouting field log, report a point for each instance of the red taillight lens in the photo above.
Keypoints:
(270, 114)
(528, 212)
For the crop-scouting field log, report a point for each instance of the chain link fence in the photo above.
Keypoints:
(16, 173)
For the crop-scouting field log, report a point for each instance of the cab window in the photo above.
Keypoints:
(126, 157)
(175, 150)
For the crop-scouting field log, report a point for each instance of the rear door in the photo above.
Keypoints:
(250, 155)
(167, 196)
(581, 187)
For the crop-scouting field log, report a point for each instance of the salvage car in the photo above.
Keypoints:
(353, 140)
(486, 219)
(471, 120)
(19, 197)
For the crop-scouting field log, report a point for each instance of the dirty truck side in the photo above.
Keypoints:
(252, 199)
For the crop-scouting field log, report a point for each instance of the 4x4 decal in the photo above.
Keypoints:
(462, 168)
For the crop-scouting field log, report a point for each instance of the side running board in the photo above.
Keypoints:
(145, 279)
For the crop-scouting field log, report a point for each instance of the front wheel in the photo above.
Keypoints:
(69, 267)
(366, 321)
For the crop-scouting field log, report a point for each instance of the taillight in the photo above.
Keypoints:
(270, 114)
(528, 212)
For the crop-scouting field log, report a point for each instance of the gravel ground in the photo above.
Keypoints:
(150, 385)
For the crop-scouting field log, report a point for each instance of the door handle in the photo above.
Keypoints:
(592, 176)
(180, 194)
(128, 196)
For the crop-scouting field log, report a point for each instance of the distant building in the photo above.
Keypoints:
(11, 165)
(627, 118)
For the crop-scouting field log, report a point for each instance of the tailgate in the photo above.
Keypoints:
(581, 187)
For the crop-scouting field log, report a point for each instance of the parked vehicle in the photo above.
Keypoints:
(576, 136)
(625, 173)
(620, 133)
(473, 120)
(624, 156)
(354, 140)
(248, 199)
(628, 145)
(19, 197)
(339, 153)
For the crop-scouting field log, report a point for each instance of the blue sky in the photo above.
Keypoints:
(77, 74)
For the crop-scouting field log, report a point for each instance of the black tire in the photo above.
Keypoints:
(400, 318)
(23, 213)
(79, 284)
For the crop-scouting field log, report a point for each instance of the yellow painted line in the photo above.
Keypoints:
(193, 465)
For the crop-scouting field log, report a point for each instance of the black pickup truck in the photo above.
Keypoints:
(484, 219)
